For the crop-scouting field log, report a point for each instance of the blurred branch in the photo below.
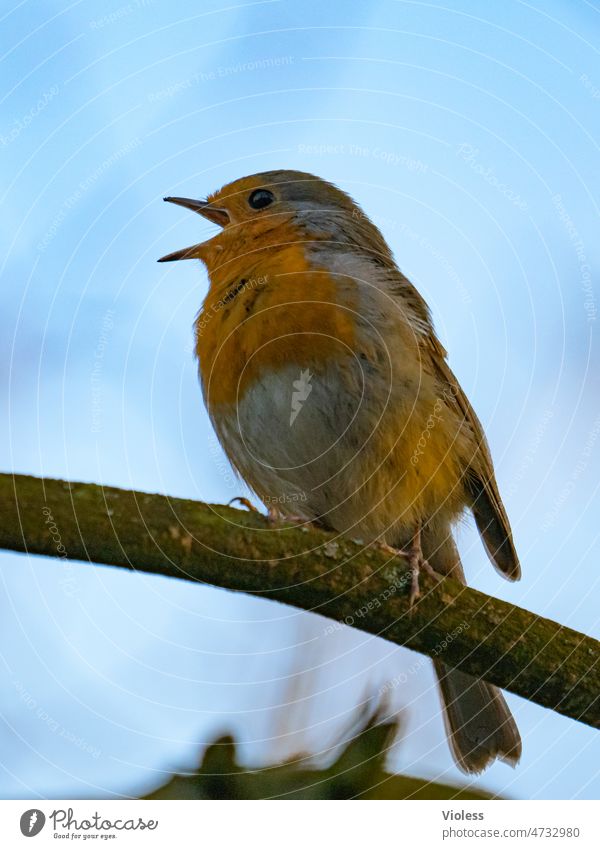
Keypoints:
(535, 658)
(357, 773)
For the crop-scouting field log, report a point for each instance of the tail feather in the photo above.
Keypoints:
(478, 722)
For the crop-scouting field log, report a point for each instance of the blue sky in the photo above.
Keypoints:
(469, 134)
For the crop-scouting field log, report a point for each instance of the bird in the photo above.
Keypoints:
(332, 398)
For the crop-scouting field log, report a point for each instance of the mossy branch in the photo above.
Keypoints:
(533, 657)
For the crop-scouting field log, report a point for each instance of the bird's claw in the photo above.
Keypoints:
(245, 502)
(274, 517)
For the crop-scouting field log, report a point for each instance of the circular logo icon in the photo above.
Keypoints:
(32, 822)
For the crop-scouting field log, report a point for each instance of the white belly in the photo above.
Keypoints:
(311, 445)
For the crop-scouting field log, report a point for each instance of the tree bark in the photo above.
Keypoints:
(519, 651)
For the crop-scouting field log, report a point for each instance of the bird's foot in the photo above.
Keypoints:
(417, 564)
(275, 518)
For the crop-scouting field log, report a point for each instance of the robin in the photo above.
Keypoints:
(332, 397)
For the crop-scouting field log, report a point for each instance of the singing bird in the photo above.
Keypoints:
(332, 397)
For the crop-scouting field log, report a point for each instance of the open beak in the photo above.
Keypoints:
(206, 210)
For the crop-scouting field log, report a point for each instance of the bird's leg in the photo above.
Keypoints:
(416, 561)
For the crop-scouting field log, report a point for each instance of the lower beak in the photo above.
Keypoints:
(206, 210)
(192, 252)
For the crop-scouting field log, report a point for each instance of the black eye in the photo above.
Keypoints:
(260, 198)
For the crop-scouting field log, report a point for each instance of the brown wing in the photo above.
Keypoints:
(488, 510)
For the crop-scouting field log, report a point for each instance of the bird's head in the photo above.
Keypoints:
(276, 207)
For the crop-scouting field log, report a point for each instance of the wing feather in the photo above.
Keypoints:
(480, 480)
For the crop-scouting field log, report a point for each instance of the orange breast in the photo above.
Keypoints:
(268, 311)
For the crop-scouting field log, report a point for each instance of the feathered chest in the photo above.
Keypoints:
(265, 315)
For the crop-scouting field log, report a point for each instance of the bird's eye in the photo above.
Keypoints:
(260, 198)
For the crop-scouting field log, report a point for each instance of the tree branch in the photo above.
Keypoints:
(533, 657)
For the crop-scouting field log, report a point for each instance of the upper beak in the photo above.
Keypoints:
(206, 210)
